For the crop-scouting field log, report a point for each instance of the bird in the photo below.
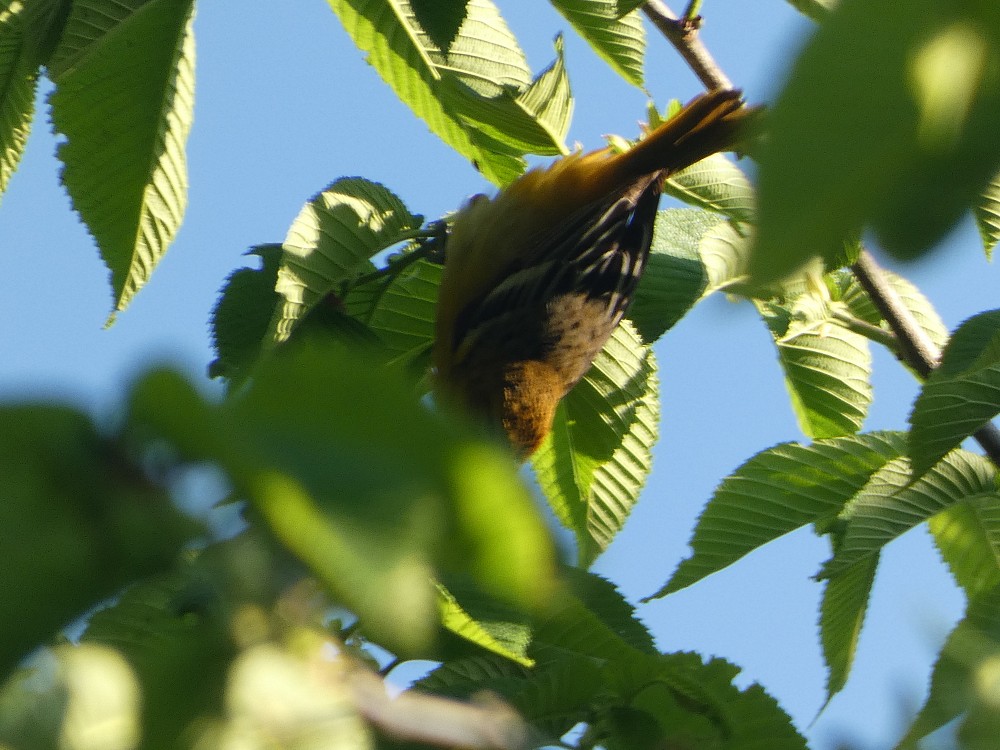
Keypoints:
(536, 279)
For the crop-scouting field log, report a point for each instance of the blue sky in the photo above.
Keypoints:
(284, 105)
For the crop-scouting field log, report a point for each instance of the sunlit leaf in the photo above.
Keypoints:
(476, 96)
(725, 252)
(842, 615)
(603, 598)
(852, 294)
(441, 19)
(402, 315)
(598, 455)
(534, 119)
(827, 367)
(619, 39)
(987, 213)
(968, 537)
(778, 491)
(892, 503)
(715, 184)
(19, 60)
(481, 620)
(961, 394)
(332, 241)
(124, 100)
(674, 278)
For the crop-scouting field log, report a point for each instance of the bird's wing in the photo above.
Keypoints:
(599, 252)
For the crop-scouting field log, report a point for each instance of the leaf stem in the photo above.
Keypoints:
(869, 331)
(428, 242)
(692, 9)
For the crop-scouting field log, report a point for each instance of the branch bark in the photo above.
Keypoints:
(915, 346)
(682, 33)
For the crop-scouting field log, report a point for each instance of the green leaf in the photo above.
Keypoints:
(627, 6)
(987, 213)
(441, 19)
(554, 698)
(242, 315)
(606, 602)
(535, 120)
(827, 367)
(568, 626)
(124, 98)
(18, 81)
(331, 242)
(492, 625)
(674, 278)
(481, 620)
(586, 670)
(402, 316)
(963, 670)
(725, 252)
(46, 20)
(78, 522)
(678, 700)
(842, 615)
(476, 96)
(905, 151)
(173, 631)
(353, 475)
(598, 455)
(817, 10)
(968, 537)
(892, 503)
(619, 39)
(961, 395)
(778, 491)
(715, 184)
(460, 678)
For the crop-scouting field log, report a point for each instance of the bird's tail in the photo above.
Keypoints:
(711, 122)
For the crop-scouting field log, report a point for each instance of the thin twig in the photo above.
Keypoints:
(915, 346)
(485, 724)
(429, 239)
(682, 33)
(868, 330)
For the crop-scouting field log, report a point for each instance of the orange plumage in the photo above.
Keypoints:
(537, 278)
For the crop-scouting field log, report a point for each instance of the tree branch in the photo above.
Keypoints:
(682, 33)
(487, 724)
(914, 345)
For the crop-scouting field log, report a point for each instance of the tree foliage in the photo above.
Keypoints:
(369, 534)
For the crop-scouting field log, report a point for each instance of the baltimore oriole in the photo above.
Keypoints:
(536, 279)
